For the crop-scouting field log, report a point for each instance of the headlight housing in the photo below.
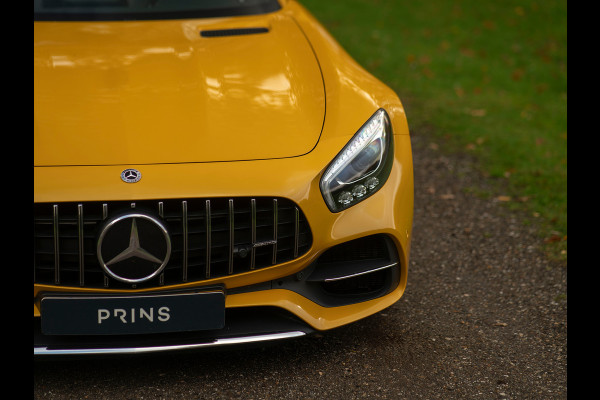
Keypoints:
(362, 166)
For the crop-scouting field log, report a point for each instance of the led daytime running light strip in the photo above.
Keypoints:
(369, 133)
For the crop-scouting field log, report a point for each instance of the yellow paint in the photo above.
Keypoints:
(256, 115)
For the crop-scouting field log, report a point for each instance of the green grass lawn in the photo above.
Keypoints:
(485, 77)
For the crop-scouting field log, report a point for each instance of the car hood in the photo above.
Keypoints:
(148, 92)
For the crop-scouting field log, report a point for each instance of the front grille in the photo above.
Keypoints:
(210, 238)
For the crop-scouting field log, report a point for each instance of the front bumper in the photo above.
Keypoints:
(282, 298)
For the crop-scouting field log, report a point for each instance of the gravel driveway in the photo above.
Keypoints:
(484, 316)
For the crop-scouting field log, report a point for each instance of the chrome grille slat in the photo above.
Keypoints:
(211, 238)
(253, 217)
(80, 243)
(184, 217)
(208, 237)
(105, 280)
(161, 213)
(231, 236)
(56, 244)
(275, 221)
(296, 231)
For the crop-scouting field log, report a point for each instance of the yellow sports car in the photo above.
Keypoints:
(209, 173)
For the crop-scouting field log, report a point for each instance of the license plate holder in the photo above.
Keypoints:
(132, 314)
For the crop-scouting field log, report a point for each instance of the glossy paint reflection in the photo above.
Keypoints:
(155, 93)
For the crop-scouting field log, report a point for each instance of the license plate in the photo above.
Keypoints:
(118, 315)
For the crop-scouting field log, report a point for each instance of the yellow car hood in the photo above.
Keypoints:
(149, 92)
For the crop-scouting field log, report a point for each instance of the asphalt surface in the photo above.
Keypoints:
(484, 316)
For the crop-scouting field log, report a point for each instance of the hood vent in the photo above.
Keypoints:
(233, 32)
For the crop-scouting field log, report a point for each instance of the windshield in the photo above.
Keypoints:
(127, 10)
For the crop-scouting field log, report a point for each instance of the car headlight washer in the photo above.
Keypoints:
(362, 167)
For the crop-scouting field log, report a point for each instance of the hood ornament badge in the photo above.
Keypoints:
(131, 175)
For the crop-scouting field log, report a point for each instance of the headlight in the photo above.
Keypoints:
(362, 166)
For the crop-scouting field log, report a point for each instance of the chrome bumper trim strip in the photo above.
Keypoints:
(140, 350)
(339, 278)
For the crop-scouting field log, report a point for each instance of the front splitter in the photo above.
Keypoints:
(243, 340)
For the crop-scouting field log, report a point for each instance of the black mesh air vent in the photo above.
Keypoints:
(233, 32)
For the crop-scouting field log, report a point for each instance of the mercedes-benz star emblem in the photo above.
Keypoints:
(131, 175)
(133, 248)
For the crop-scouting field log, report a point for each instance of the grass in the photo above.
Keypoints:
(488, 78)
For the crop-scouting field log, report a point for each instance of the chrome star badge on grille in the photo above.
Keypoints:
(133, 248)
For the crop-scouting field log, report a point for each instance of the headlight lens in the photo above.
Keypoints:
(362, 166)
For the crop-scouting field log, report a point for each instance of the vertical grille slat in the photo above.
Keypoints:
(231, 236)
(208, 237)
(184, 218)
(105, 280)
(253, 222)
(296, 231)
(56, 244)
(80, 235)
(211, 238)
(275, 221)
(161, 213)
